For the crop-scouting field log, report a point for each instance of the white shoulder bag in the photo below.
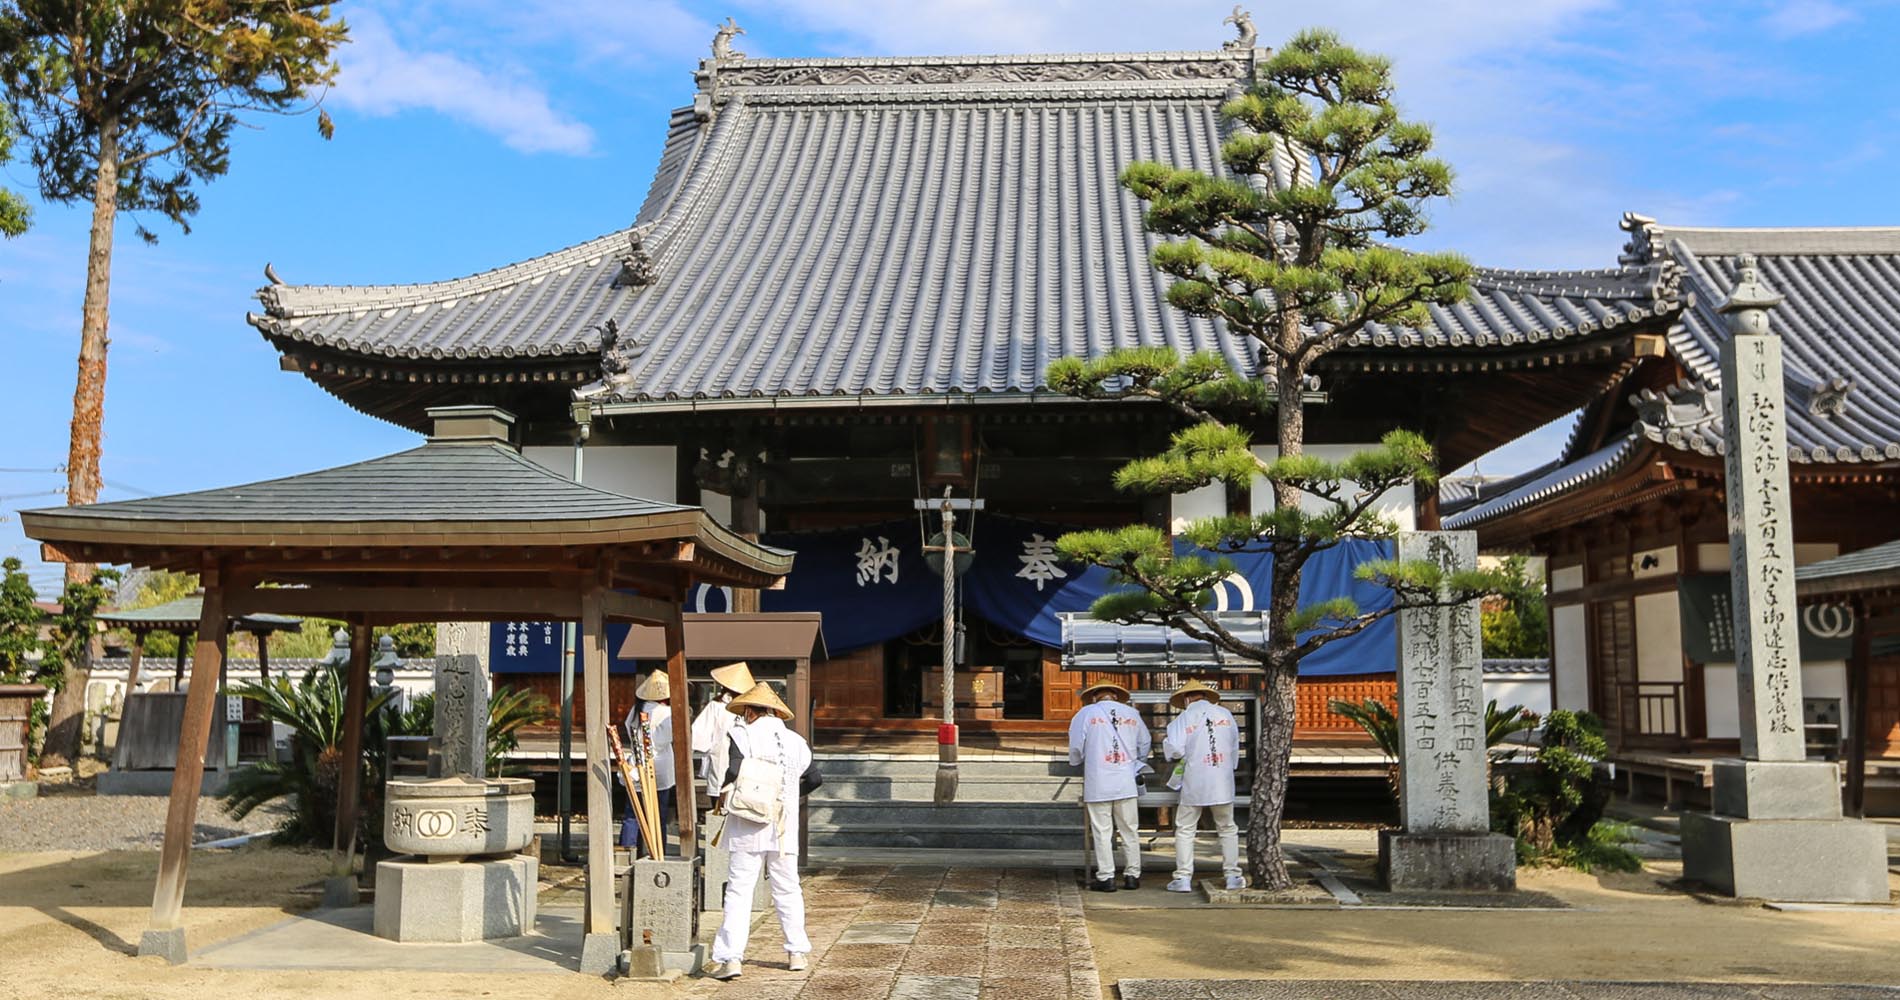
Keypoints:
(759, 792)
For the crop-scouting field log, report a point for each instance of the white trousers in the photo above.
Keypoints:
(1186, 819)
(1121, 813)
(742, 879)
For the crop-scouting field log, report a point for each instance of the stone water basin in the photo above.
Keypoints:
(459, 816)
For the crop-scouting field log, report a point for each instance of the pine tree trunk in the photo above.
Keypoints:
(1266, 861)
(82, 460)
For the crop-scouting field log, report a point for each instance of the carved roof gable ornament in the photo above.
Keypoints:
(1830, 398)
(1243, 26)
(1641, 247)
(722, 49)
(637, 269)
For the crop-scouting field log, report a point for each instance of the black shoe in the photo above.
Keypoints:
(1103, 885)
(1131, 882)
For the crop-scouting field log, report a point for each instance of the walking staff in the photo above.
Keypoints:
(1109, 740)
(649, 727)
(1204, 740)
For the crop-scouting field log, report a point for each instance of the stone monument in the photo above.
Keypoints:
(1444, 799)
(1777, 831)
(461, 701)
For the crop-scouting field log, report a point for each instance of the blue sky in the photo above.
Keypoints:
(475, 133)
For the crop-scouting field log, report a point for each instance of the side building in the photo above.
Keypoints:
(840, 295)
(1632, 513)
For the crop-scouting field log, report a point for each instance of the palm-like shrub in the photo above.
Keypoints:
(1378, 720)
(313, 709)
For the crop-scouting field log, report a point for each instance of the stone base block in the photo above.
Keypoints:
(457, 900)
(716, 869)
(157, 782)
(168, 945)
(19, 789)
(1447, 862)
(600, 953)
(1804, 860)
(1777, 789)
(662, 904)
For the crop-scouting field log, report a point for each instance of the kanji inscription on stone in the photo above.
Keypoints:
(1760, 533)
(1441, 700)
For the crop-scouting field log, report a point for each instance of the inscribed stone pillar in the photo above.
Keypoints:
(1446, 843)
(461, 699)
(1441, 699)
(1760, 533)
(1776, 831)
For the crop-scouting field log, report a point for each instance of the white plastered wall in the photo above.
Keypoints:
(1395, 503)
(1659, 637)
(645, 471)
(1531, 691)
(1570, 652)
(1208, 501)
(1820, 679)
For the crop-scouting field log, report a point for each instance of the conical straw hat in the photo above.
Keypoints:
(734, 677)
(762, 697)
(1179, 697)
(654, 688)
(1089, 693)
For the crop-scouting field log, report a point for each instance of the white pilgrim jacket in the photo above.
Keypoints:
(712, 729)
(660, 721)
(1111, 743)
(1205, 738)
(768, 738)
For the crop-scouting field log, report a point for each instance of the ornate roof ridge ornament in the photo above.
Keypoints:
(1748, 303)
(722, 49)
(1243, 26)
(1830, 397)
(1641, 246)
(637, 269)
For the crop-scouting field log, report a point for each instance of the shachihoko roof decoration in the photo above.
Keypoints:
(1840, 335)
(889, 227)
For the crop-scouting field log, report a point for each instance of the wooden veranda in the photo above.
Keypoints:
(460, 529)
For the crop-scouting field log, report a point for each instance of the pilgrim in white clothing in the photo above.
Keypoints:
(1111, 743)
(1204, 739)
(654, 693)
(756, 846)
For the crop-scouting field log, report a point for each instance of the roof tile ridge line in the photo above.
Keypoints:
(427, 292)
(694, 191)
(1032, 58)
(701, 134)
(978, 93)
(1520, 499)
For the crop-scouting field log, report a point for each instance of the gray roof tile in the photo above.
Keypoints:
(825, 227)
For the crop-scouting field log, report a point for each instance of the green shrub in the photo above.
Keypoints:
(1554, 803)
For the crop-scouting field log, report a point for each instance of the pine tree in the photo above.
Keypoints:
(128, 105)
(1297, 268)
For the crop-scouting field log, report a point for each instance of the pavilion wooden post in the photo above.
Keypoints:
(165, 934)
(178, 665)
(341, 888)
(1859, 664)
(263, 655)
(674, 629)
(137, 656)
(802, 725)
(600, 940)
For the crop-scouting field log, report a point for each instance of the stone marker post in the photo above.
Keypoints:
(1777, 831)
(461, 701)
(1444, 801)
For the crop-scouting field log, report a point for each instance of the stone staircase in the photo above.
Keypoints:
(1007, 803)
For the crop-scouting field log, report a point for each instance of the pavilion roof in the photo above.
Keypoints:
(453, 494)
(1870, 569)
(183, 614)
(823, 230)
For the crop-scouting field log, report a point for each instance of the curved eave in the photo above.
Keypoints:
(718, 554)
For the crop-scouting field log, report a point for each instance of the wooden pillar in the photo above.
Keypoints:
(165, 934)
(1425, 503)
(802, 725)
(682, 702)
(599, 915)
(263, 656)
(745, 521)
(1860, 664)
(349, 782)
(137, 656)
(178, 666)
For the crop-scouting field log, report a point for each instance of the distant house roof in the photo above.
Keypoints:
(1520, 667)
(1870, 569)
(183, 615)
(1840, 335)
(829, 229)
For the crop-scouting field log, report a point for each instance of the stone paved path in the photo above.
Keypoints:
(882, 932)
(1288, 989)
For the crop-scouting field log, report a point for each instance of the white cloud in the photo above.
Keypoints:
(381, 77)
(1806, 17)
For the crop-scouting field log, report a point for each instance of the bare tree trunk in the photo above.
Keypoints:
(82, 459)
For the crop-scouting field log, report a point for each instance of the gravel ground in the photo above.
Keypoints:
(77, 820)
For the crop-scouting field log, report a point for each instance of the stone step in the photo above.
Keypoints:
(959, 815)
(970, 787)
(920, 767)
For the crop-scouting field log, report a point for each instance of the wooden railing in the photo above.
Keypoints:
(1652, 709)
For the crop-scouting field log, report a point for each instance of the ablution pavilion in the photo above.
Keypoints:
(461, 528)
